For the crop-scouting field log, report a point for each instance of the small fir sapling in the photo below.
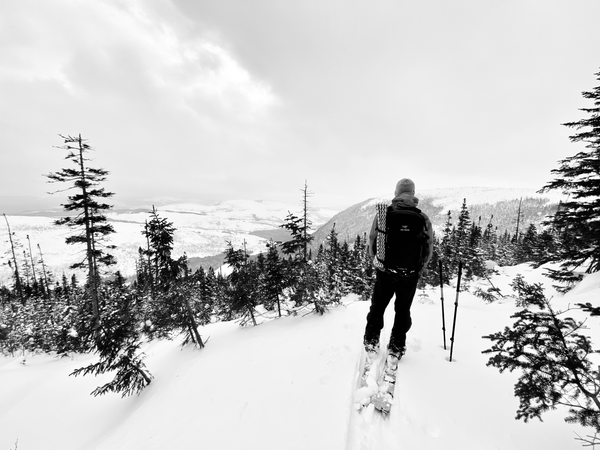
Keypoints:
(553, 357)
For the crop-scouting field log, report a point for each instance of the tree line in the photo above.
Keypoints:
(110, 316)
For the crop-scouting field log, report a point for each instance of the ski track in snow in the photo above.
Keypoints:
(368, 428)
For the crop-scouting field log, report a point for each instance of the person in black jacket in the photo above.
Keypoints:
(390, 282)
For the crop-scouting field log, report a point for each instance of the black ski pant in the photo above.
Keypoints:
(386, 286)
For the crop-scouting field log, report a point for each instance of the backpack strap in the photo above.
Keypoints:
(382, 209)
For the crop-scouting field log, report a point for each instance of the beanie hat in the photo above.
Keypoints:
(405, 185)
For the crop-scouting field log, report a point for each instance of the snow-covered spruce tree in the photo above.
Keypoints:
(553, 358)
(578, 219)
(119, 345)
(311, 284)
(272, 278)
(475, 255)
(298, 269)
(243, 291)
(489, 241)
(346, 262)
(431, 274)
(462, 233)
(202, 293)
(298, 228)
(334, 264)
(328, 277)
(159, 233)
(212, 290)
(172, 293)
(70, 317)
(546, 247)
(535, 247)
(447, 249)
(301, 271)
(190, 310)
(506, 250)
(220, 290)
(89, 224)
(362, 271)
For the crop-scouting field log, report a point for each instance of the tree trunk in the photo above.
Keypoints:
(91, 259)
(35, 280)
(192, 323)
(47, 286)
(12, 247)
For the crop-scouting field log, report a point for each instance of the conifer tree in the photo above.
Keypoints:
(159, 233)
(331, 261)
(490, 241)
(300, 238)
(362, 266)
(14, 264)
(528, 250)
(554, 359)
(431, 275)
(119, 349)
(302, 275)
(299, 227)
(211, 293)
(273, 279)
(243, 284)
(90, 222)
(448, 248)
(173, 293)
(577, 220)
(474, 253)
(463, 235)
(546, 246)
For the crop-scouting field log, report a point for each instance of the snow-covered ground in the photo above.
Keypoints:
(289, 384)
(201, 230)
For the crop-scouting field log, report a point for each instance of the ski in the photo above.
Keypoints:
(383, 399)
(368, 381)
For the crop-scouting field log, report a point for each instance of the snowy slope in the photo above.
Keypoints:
(289, 384)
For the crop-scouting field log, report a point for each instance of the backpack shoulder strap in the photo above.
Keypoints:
(382, 209)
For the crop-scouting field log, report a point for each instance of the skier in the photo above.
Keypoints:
(398, 270)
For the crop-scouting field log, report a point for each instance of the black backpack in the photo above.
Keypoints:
(404, 240)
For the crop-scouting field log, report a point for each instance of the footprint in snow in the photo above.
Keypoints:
(414, 345)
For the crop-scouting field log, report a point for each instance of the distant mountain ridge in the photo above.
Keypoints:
(500, 205)
(204, 230)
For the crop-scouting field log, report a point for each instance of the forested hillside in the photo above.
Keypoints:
(501, 212)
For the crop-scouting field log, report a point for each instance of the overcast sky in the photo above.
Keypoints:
(220, 99)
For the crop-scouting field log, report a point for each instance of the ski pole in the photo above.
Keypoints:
(442, 298)
(455, 308)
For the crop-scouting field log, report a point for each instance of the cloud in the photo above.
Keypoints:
(135, 80)
(218, 99)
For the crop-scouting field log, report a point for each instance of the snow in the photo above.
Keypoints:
(201, 230)
(290, 384)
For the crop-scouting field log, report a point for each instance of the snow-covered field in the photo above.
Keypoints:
(201, 230)
(289, 384)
